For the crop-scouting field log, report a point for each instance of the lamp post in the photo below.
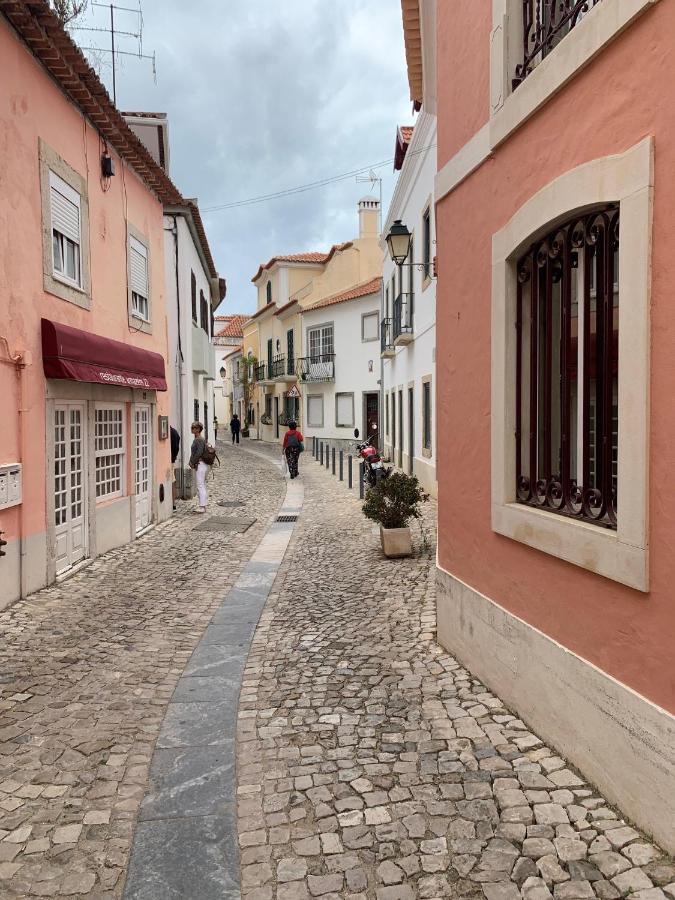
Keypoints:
(398, 241)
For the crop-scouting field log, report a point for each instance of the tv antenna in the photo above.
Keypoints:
(112, 31)
(372, 179)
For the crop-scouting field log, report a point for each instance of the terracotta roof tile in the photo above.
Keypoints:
(361, 290)
(261, 311)
(233, 327)
(312, 258)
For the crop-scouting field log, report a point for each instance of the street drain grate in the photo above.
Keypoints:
(287, 518)
(218, 523)
(230, 503)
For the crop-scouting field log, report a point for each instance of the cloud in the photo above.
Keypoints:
(263, 95)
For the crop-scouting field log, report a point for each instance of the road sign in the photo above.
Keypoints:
(294, 391)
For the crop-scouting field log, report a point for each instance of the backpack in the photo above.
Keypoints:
(209, 456)
(293, 442)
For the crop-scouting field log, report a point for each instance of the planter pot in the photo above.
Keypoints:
(396, 542)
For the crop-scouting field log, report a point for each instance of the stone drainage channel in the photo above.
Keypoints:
(185, 843)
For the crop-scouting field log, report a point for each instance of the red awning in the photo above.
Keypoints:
(81, 356)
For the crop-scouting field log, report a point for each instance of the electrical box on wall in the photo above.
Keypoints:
(10, 485)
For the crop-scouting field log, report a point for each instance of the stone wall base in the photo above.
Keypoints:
(621, 741)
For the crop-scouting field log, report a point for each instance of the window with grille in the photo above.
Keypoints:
(138, 274)
(66, 230)
(193, 288)
(109, 451)
(426, 415)
(567, 370)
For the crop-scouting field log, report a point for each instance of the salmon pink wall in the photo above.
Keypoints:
(31, 108)
(463, 40)
(607, 108)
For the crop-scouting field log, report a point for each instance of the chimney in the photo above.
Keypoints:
(369, 217)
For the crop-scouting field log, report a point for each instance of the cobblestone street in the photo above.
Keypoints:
(369, 762)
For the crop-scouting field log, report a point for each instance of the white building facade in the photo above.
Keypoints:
(193, 289)
(408, 329)
(339, 380)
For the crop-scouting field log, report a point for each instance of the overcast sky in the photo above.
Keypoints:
(264, 95)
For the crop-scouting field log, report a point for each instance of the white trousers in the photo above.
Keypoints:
(202, 469)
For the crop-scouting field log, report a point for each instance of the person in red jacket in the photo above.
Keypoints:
(293, 447)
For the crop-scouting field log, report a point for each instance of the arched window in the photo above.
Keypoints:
(567, 323)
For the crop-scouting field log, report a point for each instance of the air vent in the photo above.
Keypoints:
(287, 518)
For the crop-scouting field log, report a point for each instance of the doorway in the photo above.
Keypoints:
(411, 431)
(142, 438)
(371, 412)
(400, 429)
(70, 487)
(276, 417)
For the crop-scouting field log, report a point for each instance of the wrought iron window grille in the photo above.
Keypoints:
(567, 319)
(545, 24)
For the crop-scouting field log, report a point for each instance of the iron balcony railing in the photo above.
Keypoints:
(320, 367)
(290, 365)
(386, 335)
(545, 24)
(403, 315)
(259, 372)
(277, 367)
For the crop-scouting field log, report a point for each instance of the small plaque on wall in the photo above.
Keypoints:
(163, 429)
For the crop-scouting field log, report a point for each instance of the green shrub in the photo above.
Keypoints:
(395, 500)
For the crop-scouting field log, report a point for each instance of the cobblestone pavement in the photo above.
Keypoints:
(372, 764)
(87, 668)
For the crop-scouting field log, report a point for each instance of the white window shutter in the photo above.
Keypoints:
(138, 264)
(65, 204)
(345, 409)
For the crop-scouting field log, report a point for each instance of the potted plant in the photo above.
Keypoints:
(392, 503)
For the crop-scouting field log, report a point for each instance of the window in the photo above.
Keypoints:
(320, 342)
(393, 419)
(196, 410)
(268, 291)
(315, 411)
(268, 405)
(66, 230)
(567, 370)
(369, 326)
(344, 410)
(386, 415)
(251, 415)
(138, 277)
(204, 312)
(290, 351)
(193, 287)
(411, 280)
(109, 451)
(206, 421)
(386, 302)
(426, 418)
(426, 242)
(291, 408)
(270, 357)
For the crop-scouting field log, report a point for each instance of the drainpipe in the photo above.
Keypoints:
(179, 361)
(20, 361)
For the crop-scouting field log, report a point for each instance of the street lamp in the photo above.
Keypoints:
(398, 241)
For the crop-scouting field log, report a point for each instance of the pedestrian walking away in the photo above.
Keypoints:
(215, 428)
(235, 428)
(198, 464)
(292, 447)
(175, 447)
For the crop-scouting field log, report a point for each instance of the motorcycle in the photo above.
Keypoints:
(374, 469)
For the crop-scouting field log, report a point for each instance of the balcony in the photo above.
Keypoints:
(386, 339)
(316, 368)
(403, 320)
(259, 372)
(279, 370)
(203, 359)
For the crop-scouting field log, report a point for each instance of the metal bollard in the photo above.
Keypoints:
(314, 446)
(321, 452)
(327, 456)
(361, 485)
(333, 461)
(350, 479)
(342, 465)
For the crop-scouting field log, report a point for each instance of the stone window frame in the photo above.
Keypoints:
(427, 210)
(135, 322)
(626, 179)
(510, 109)
(50, 161)
(365, 315)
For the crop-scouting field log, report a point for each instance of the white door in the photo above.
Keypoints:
(70, 501)
(142, 473)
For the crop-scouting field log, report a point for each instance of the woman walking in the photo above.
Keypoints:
(292, 448)
(198, 464)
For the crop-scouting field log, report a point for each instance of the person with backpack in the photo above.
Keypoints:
(197, 463)
(235, 428)
(292, 448)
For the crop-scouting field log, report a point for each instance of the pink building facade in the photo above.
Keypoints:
(556, 432)
(84, 460)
